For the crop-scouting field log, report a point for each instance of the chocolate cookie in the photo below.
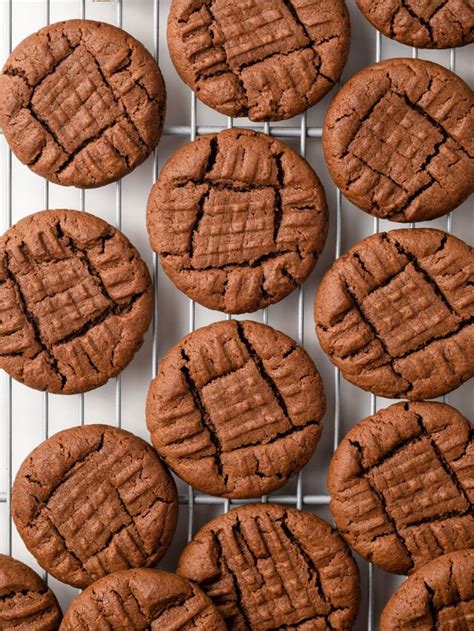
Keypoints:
(76, 301)
(81, 103)
(92, 500)
(270, 567)
(239, 220)
(437, 597)
(26, 603)
(432, 24)
(236, 409)
(396, 313)
(402, 485)
(142, 600)
(265, 59)
(398, 140)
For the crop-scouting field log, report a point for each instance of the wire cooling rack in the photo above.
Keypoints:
(28, 417)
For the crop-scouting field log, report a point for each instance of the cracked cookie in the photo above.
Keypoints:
(238, 219)
(265, 59)
(92, 500)
(429, 24)
(270, 567)
(82, 103)
(437, 597)
(76, 300)
(396, 313)
(398, 140)
(401, 485)
(236, 409)
(26, 602)
(142, 600)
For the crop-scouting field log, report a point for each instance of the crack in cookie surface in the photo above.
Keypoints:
(89, 110)
(76, 301)
(143, 600)
(440, 595)
(239, 220)
(236, 409)
(110, 504)
(403, 299)
(25, 600)
(268, 60)
(400, 485)
(269, 567)
(393, 149)
(431, 24)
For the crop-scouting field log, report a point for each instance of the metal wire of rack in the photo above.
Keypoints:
(191, 498)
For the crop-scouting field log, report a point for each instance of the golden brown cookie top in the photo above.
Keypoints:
(82, 103)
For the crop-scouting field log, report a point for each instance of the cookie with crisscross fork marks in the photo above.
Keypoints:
(82, 103)
(239, 220)
(269, 567)
(75, 301)
(236, 409)
(437, 597)
(396, 313)
(92, 500)
(26, 602)
(142, 600)
(265, 59)
(402, 485)
(427, 24)
(398, 139)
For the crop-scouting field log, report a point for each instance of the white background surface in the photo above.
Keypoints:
(33, 414)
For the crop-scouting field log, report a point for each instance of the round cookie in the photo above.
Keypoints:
(398, 140)
(239, 220)
(432, 24)
(269, 567)
(142, 600)
(437, 597)
(395, 313)
(82, 103)
(77, 300)
(92, 500)
(236, 409)
(26, 602)
(401, 485)
(265, 59)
